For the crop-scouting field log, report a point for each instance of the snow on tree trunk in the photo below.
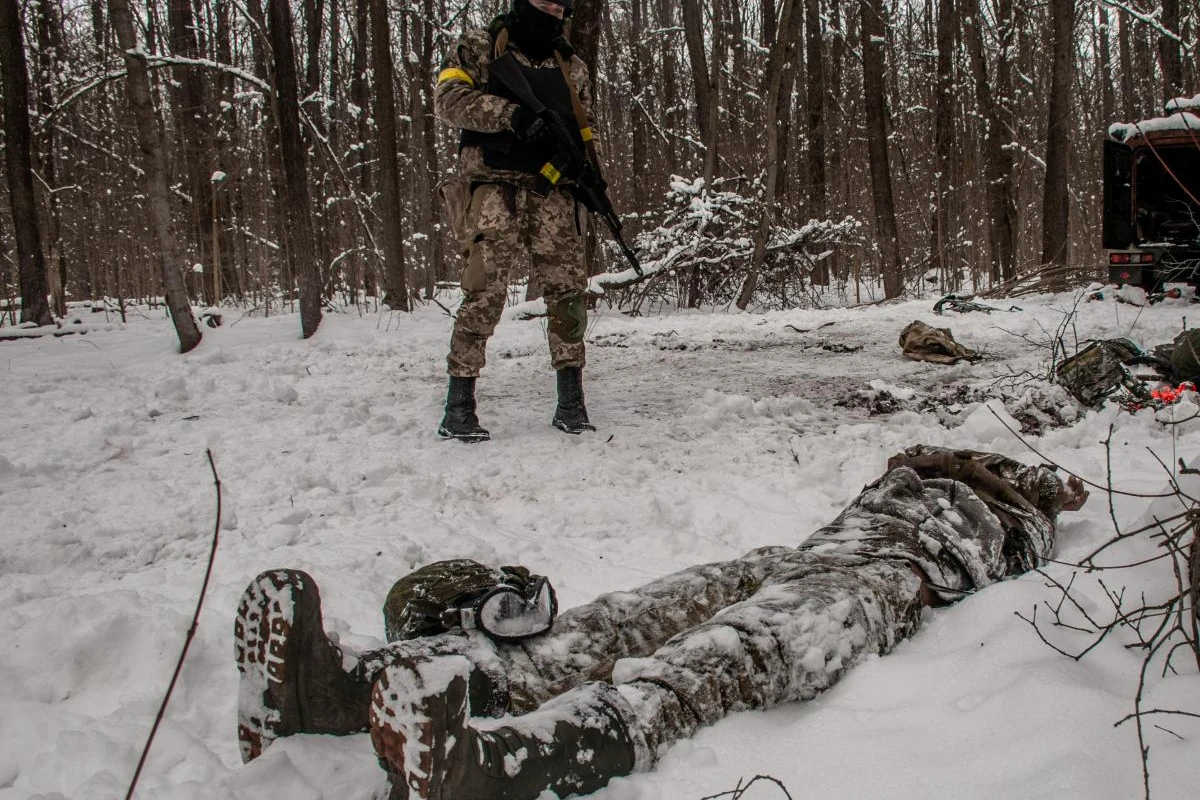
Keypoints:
(152, 147)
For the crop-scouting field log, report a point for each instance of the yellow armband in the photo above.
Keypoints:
(455, 74)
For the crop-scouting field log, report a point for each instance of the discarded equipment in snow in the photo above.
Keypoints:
(965, 303)
(921, 342)
(1109, 367)
(1100, 369)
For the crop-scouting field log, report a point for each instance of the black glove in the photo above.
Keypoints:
(530, 126)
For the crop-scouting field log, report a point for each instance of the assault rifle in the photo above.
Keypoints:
(568, 159)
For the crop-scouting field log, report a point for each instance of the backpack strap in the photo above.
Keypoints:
(585, 129)
(500, 45)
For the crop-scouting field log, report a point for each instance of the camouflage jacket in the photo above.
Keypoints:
(966, 519)
(461, 100)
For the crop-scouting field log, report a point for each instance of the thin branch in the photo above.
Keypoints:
(212, 555)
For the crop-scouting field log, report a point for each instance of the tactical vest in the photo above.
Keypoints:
(503, 150)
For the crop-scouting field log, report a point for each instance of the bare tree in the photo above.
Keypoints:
(396, 282)
(942, 249)
(300, 240)
(1001, 208)
(1055, 198)
(875, 102)
(781, 53)
(814, 99)
(35, 306)
(193, 128)
(51, 54)
(585, 31)
(1168, 50)
(425, 142)
(152, 146)
(705, 80)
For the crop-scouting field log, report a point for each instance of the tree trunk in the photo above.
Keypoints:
(1055, 199)
(426, 144)
(941, 247)
(314, 13)
(1129, 103)
(152, 146)
(875, 103)
(815, 91)
(360, 100)
(585, 32)
(35, 306)
(639, 62)
(836, 112)
(274, 210)
(1107, 97)
(395, 280)
(193, 127)
(789, 73)
(52, 53)
(716, 97)
(706, 92)
(1168, 52)
(997, 160)
(781, 53)
(299, 236)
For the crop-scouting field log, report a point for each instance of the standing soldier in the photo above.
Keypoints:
(513, 216)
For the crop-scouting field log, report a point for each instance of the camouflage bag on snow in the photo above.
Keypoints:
(921, 342)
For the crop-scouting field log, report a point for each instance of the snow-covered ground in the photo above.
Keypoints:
(719, 432)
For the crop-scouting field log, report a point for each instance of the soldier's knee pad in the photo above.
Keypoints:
(568, 319)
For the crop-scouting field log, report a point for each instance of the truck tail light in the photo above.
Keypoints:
(1131, 258)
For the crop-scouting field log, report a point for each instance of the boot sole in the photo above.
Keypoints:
(418, 725)
(463, 437)
(262, 630)
(562, 426)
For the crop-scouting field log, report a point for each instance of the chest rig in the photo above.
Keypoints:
(503, 150)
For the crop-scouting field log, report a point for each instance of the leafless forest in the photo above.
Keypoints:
(284, 154)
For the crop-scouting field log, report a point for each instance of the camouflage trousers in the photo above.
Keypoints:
(509, 229)
(778, 624)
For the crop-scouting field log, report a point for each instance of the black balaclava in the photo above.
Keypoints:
(534, 31)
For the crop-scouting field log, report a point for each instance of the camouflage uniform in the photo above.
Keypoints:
(784, 623)
(778, 624)
(507, 228)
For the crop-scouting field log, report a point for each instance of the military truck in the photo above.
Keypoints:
(1151, 226)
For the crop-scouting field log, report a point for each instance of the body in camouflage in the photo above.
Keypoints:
(507, 229)
(778, 624)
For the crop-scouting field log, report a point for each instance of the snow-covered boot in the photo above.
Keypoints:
(433, 749)
(460, 421)
(292, 676)
(571, 414)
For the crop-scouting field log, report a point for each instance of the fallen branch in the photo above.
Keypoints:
(737, 792)
(191, 634)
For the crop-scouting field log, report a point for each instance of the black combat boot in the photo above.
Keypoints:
(460, 421)
(571, 414)
(432, 749)
(292, 675)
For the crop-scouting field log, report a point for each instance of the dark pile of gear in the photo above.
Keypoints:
(1118, 369)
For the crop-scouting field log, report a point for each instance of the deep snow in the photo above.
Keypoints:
(719, 432)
